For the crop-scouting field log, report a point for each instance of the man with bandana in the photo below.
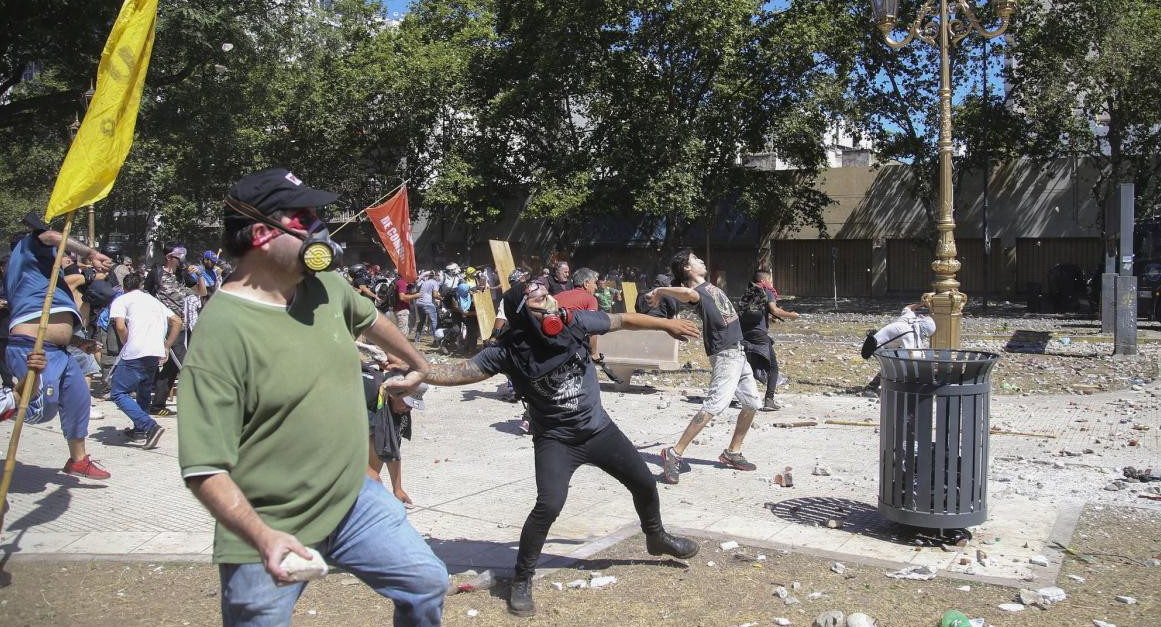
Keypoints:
(546, 354)
(759, 304)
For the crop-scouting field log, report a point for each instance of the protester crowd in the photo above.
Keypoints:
(272, 460)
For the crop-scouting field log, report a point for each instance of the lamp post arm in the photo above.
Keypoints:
(974, 23)
(916, 29)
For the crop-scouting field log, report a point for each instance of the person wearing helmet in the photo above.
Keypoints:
(361, 281)
(547, 356)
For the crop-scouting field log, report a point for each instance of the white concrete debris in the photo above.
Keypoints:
(556, 585)
(710, 564)
(1052, 594)
(1101, 623)
(473, 613)
(820, 471)
(601, 582)
(794, 585)
(964, 588)
(299, 569)
(761, 557)
(1126, 600)
(1038, 560)
(728, 545)
(782, 622)
(859, 619)
(814, 596)
(1076, 578)
(1011, 607)
(577, 584)
(781, 592)
(833, 618)
(838, 568)
(919, 573)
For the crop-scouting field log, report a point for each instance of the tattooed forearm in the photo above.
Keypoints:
(616, 322)
(701, 417)
(456, 373)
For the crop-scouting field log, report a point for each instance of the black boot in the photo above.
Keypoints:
(520, 598)
(665, 543)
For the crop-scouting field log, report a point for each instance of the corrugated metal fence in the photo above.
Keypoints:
(817, 267)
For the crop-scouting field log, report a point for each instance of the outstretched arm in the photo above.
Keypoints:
(683, 294)
(676, 327)
(460, 372)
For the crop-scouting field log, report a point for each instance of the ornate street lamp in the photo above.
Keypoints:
(86, 99)
(942, 26)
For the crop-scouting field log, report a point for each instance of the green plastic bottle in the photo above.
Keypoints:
(955, 618)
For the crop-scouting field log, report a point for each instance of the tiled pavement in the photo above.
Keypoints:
(471, 476)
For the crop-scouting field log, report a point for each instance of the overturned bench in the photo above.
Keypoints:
(626, 351)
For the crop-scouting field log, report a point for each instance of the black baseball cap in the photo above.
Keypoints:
(273, 189)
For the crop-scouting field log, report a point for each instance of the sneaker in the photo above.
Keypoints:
(670, 465)
(520, 598)
(771, 404)
(135, 435)
(95, 414)
(735, 460)
(665, 543)
(525, 427)
(153, 436)
(161, 411)
(86, 468)
(783, 380)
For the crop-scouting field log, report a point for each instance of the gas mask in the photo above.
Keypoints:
(318, 252)
(554, 317)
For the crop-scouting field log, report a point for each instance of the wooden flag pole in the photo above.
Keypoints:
(32, 381)
(374, 204)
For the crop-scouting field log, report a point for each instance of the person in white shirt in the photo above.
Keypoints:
(140, 321)
(909, 331)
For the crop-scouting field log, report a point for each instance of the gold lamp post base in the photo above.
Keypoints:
(947, 311)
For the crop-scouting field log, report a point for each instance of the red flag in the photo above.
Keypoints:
(392, 221)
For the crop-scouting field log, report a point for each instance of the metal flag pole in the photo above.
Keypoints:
(32, 381)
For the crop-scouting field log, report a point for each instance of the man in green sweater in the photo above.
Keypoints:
(273, 433)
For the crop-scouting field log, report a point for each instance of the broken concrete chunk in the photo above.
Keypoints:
(838, 568)
(1076, 578)
(1038, 560)
(729, 545)
(782, 622)
(833, 618)
(1052, 594)
(1031, 597)
(820, 471)
(556, 585)
(577, 584)
(1101, 623)
(1011, 607)
(1126, 600)
(601, 582)
(781, 592)
(858, 619)
(299, 569)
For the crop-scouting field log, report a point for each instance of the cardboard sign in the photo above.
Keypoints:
(485, 313)
(502, 256)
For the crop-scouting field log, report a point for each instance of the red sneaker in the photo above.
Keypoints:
(86, 468)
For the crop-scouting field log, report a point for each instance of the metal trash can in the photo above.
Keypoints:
(933, 436)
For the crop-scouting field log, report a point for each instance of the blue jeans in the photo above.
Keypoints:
(429, 314)
(375, 543)
(135, 375)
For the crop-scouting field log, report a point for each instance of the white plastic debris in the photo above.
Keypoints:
(1101, 623)
(782, 622)
(710, 564)
(964, 588)
(728, 545)
(761, 557)
(1076, 578)
(1012, 607)
(473, 613)
(919, 573)
(556, 585)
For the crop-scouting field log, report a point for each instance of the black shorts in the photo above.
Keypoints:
(387, 433)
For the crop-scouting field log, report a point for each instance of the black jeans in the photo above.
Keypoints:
(165, 379)
(765, 368)
(556, 461)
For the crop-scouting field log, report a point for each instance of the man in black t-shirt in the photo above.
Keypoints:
(560, 280)
(730, 376)
(759, 303)
(545, 353)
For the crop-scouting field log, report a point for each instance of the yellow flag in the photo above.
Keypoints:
(103, 141)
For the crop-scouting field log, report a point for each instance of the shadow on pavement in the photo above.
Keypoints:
(854, 517)
(113, 436)
(511, 427)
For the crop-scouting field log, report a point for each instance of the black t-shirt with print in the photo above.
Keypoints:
(565, 404)
(719, 321)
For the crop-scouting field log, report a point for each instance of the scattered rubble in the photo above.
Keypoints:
(919, 573)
